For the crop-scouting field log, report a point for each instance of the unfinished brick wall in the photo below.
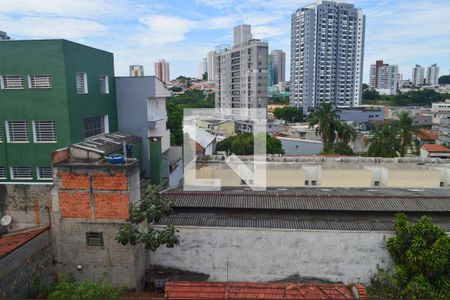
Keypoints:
(93, 193)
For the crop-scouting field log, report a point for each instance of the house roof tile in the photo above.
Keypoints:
(12, 241)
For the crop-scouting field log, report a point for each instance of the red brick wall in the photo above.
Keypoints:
(111, 182)
(74, 180)
(111, 206)
(60, 155)
(109, 190)
(75, 204)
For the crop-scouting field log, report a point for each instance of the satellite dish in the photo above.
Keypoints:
(6, 220)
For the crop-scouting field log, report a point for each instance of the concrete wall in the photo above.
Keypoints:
(265, 255)
(27, 204)
(20, 267)
(300, 147)
(122, 264)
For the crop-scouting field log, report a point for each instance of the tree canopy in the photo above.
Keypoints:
(414, 98)
(289, 114)
(139, 227)
(242, 144)
(445, 79)
(421, 255)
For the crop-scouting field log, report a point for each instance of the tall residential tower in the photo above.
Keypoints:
(433, 74)
(277, 67)
(384, 77)
(162, 70)
(418, 75)
(327, 53)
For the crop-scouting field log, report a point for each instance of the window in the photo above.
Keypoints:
(44, 131)
(82, 87)
(94, 239)
(40, 81)
(17, 131)
(1, 134)
(11, 82)
(21, 173)
(95, 125)
(306, 182)
(44, 173)
(313, 182)
(2, 173)
(376, 183)
(104, 84)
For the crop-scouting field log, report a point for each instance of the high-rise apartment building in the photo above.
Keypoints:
(433, 74)
(418, 74)
(4, 36)
(242, 72)
(202, 68)
(211, 63)
(277, 67)
(384, 77)
(136, 71)
(327, 53)
(162, 70)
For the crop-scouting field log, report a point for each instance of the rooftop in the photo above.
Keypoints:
(250, 290)
(426, 134)
(106, 143)
(11, 241)
(435, 148)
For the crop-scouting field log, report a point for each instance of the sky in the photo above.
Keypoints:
(403, 32)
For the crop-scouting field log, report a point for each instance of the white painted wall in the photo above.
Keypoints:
(249, 254)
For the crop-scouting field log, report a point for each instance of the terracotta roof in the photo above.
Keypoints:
(249, 290)
(435, 148)
(426, 134)
(12, 241)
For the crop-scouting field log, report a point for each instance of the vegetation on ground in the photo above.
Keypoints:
(279, 99)
(242, 144)
(67, 288)
(414, 98)
(143, 215)
(421, 256)
(445, 79)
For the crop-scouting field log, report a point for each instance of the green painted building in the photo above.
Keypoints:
(53, 93)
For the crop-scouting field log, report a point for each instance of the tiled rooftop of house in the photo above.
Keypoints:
(11, 241)
(426, 134)
(248, 290)
(435, 148)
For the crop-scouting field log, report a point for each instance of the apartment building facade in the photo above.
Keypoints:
(277, 67)
(327, 54)
(418, 75)
(433, 74)
(53, 93)
(242, 72)
(384, 77)
(162, 70)
(211, 63)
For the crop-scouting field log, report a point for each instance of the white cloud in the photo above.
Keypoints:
(264, 32)
(46, 27)
(161, 30)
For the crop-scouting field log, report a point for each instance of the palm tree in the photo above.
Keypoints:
(346, 133)
(404, 126)
(326, 117)
(384, 143)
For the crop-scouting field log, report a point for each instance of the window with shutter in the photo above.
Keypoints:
(21, 173)
(44, 173)
(94, 239)
(11, 82)
(104, 84)
(40, 81)
(44, 131)
(17, 131)
(2, 173)
(81, 81)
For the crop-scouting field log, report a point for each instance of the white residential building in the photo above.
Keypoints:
(418, 75)
(327, 53)
(136, 71)
(384, 77)
(211, 63)
(277, 67)
(202, 68)
(433, 74)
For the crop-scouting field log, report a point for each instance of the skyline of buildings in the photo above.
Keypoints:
(432, 74)
(418, 75)
(384, 77)
(162, 70)
(327, 55)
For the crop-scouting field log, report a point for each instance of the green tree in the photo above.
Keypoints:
(205, 76)
(370, 95)
(139, 227)
(421, 255)
(176, 89)
(243, 144)
(445, 79)
(326, 117)
(279, 99)
(404, 127)
(384, 143)
(365, 86)
(289, 114)
(346, 133)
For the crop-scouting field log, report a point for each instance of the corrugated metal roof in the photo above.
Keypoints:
(390, 200)
(106, 143)
(206, 220)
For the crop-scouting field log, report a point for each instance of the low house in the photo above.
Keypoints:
(425, 136)
(432, 150)
(203, 142)
(299, 146)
